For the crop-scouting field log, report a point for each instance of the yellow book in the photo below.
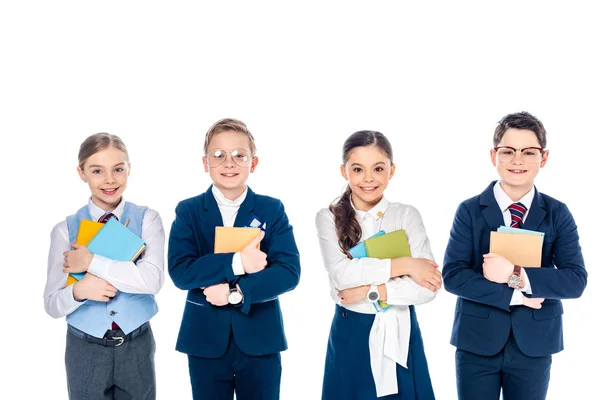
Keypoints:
(233, 239)
(87, 230)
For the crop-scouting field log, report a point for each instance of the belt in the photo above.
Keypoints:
(112, 338)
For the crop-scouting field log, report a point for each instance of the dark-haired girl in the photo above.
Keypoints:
(374, 354)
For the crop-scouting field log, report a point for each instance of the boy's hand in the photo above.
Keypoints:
(497, 268)
(90, 287)
(77, 260)
(217, 295)
(535, 303)
(253, 259)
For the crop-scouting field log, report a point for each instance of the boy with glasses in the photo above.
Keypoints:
(508, 319)
(232, 328)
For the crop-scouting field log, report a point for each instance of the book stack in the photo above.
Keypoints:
(111, 240)
(519, 246)
(383, 245)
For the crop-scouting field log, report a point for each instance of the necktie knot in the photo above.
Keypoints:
(103, 219)
(517, 211)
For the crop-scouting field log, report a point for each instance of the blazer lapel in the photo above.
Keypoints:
(490, 208)
(245, 212)
(211, 216)
(536, 213)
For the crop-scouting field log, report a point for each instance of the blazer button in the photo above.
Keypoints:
(112, 313)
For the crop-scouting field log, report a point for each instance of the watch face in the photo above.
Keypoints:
(373, 296)
(514, 281)
(235, 297)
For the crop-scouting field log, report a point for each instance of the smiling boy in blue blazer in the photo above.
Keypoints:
(232, 327)
(508, 319)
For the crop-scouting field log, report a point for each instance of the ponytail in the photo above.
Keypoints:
(346, 226)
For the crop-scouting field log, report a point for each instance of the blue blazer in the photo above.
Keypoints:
(257, 325)
(483, 318)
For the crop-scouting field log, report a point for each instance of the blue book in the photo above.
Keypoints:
(117, 242)
(520, 231)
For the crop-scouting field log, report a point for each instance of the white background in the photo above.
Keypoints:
(434, 77)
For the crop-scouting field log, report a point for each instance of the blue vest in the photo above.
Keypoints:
(128, 310)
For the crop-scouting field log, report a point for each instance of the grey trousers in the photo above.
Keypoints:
(126, 372)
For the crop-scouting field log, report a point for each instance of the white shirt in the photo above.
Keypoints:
(229, 210)
(504, 202)
(146, 276)
(389, 338)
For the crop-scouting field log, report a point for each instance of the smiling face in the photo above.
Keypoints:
(230, 175)
(106, 173)
(517, 176)
(368, 171)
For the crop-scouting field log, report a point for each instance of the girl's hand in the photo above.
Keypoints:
(352, 295)
(77, 260)
(217, 295)
(424, 272)
(253, 259)
(90, 287)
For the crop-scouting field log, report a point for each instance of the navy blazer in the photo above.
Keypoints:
(257, 325)
(483, 317)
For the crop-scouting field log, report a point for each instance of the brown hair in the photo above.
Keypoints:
(346, 226)
(229, 124)
(98, 142)
(521, 120)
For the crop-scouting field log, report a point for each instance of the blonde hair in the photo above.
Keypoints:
(98, 142)
(229, 124)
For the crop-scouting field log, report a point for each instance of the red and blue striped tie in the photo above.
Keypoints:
(517, 210)
(104, 219)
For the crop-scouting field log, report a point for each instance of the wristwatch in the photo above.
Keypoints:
(235, 296)
(373, 293)
(514, 281)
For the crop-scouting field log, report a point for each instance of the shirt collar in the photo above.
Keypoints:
(222, 201)
(96, 212)
(504, 201)
(375, 212)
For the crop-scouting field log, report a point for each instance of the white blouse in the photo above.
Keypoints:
(389, 338)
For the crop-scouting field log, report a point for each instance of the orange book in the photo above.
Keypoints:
(521, 249)
(232, 239)
(87, 230)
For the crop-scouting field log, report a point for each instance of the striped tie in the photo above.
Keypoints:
(104, 219)
(517, 210)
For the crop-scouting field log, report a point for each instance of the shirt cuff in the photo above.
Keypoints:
(527, 287)
(236, 264)
(68, 299)
(99, 265)
(517, 298)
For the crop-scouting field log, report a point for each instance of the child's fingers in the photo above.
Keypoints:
(254, 243)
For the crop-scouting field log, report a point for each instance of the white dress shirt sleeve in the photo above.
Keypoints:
(236, 264)
(146, 276)
(404, 290)
(345, 272)
(58, 299)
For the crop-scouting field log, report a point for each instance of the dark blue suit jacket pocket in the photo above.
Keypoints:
(549, 311)
(474, 309)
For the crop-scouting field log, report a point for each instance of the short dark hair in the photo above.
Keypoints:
(520, 120)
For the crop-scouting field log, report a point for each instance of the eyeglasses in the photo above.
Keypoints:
(241, 158)
(531, 155)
